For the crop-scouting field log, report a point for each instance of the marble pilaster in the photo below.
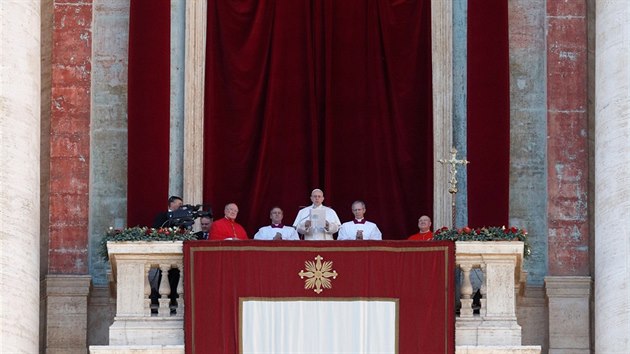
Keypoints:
(460, 84)
(528, 129)
(178, 42)
(567, 140)
(442, 69)
(195, 57)
(108, 127)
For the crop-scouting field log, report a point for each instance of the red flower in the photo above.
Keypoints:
(466, 229)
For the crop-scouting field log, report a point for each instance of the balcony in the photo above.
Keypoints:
(157, 326)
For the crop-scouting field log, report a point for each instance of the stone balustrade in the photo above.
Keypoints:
(492, 327)
(492, 322)
(136, 268)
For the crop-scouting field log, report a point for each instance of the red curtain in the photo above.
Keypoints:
(330, 94)
(319, 94)
(488, 113)
(148, 110)
(418, 274)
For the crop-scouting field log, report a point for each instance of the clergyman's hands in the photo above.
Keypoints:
(278, 236)
(359, 234)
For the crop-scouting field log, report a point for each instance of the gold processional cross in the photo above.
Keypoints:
(453, 161)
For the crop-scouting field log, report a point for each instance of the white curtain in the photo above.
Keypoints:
(319, 326)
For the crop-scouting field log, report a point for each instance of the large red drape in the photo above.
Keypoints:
(488, 113)
(319, 94)
(148, 109)
(330, 94)
(418, 274)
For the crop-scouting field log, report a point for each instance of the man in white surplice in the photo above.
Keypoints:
(317, 222)
(277, 230)
(359, 228)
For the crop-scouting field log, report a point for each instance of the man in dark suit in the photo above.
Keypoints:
(205, 222)
(161, 219)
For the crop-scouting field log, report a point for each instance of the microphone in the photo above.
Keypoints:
(300, 221)
(297, 223)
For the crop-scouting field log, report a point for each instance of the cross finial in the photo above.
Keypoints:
(453, 161)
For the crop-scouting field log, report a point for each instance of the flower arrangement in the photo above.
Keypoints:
(138, 233)
(485, 234)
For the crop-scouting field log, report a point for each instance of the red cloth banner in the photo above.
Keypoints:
(418, 275)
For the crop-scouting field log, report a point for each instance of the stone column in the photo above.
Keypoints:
(612, 177)
(20, 81)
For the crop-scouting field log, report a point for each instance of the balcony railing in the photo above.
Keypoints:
(136, 267)
(499, 268)
(141, 322)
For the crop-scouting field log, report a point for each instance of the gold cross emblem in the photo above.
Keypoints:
(318, 274)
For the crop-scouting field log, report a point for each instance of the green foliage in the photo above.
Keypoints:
(485, 234)
(144, 234)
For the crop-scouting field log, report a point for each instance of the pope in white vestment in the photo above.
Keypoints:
(309, 223)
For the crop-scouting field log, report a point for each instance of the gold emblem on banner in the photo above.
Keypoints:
(318, 274)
